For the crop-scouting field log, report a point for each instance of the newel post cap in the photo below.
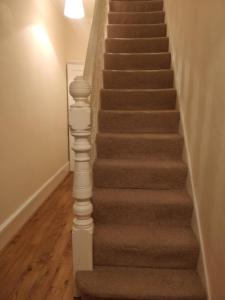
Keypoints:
(79, 88)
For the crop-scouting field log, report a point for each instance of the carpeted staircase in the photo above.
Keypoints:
(144, 247)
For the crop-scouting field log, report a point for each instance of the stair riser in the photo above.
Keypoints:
(138, 100)
(138, 79)
(138, 214)
(137, 177)
(146, 148)
(136, 31)
(139, 122)
(137, 45)
(133, 6)
(167, 258)
(137, 61)
(136, 18)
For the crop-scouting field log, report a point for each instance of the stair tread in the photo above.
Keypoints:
(136, 30)
(140, 90)
(143, 163)
(137, 45)
(141, 283)
(140, 173)
(138, 1)
(130, 99)
(142, 206)
(137, 25)
(156, 38)
(121, 112)
(154, 5)
(139, 71)
(160, 197)
(141, 245)
(140, 79)
(144, 237)
(137, 54)
(139, 145)
(139, 121)
(157, 136)
(137, 61)
(133, 13)
(136, 13)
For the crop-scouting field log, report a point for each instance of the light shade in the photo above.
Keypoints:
(74, 9)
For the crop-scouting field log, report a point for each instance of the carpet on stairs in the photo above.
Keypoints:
(144, 247)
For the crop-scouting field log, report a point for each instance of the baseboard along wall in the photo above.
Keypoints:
(14, 222)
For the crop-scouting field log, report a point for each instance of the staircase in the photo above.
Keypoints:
(144, 247)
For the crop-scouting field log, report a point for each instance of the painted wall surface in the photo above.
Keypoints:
(33, 106)
(76, 39)
(77, 34)
(197, 37)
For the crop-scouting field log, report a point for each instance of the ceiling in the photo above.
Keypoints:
(88, 7)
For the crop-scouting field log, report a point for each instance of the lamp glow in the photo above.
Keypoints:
(74, 9)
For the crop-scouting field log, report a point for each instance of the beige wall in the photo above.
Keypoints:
(197, 37)
(77, 34)
(76, 39)
(33, 107)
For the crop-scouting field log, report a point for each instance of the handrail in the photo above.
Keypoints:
(95, 38)
(94, 64)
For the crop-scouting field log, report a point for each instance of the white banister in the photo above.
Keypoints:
(83, 125)
(80, 126)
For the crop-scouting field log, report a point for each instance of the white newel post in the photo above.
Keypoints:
(80, 126)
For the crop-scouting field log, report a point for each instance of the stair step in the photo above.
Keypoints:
(136, 30)
(136, 17)
(138, 99)
(143, 174)
(137, 45)
(145, 246)
(144, 146)
(135, 79)
(140, 284)
(139, 121)
(142, 207)
(131, 61)
(135, 6)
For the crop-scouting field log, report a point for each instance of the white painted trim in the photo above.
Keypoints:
(190, 181)
(12, 225)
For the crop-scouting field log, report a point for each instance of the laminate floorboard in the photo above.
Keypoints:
(37, 263)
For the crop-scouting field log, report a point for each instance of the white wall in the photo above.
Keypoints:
(197, 38)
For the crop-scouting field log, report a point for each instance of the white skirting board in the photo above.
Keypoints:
(13, 224)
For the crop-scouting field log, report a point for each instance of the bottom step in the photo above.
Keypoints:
(138, 283)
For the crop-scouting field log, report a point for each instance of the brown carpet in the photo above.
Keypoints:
(144, 247)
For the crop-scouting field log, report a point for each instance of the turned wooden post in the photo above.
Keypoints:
(80, 126)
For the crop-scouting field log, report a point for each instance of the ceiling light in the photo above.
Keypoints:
(74, 9)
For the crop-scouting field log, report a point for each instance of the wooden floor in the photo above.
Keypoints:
(37, 264)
